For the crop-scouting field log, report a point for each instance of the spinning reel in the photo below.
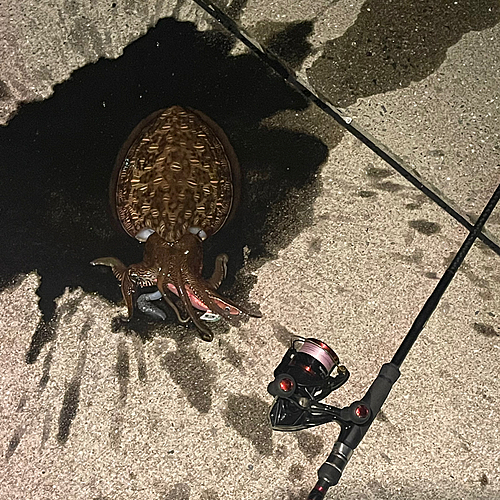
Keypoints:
(304, 377)
(308, 373)
(302, 380)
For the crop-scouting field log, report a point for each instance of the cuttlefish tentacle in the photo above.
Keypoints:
(222, 305)
(220, 271)
(116, 265)
(122, 273)
(215, 302)
(205, 333)
(164, 292)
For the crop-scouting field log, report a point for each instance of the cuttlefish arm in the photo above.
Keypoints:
(122, 273)
(176, 267)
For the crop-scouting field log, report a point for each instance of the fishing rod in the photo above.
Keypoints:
(311, 370)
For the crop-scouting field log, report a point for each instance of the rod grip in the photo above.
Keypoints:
(331, 471)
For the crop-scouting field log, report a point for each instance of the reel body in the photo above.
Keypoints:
(308, 373)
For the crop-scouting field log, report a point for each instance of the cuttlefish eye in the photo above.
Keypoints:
(144, 234)
(198, 232)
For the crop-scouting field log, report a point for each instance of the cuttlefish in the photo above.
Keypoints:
(175, 183)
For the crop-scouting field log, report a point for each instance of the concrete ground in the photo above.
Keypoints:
(330, 242)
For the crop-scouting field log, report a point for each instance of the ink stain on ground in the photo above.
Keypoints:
(425, 227)
(59, 153)
(248, 416)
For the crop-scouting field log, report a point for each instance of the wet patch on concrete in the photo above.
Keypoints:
(69, 409)
(377, 489)
(14, 442)
(299, 494)
(231, 355)
(314, 245)
(389, 187)
(210, 494)
(378, 179)
(431, 275)
(283, 334)
(122, 371)
(45, 332)
(71, 399)
(486, 330)
(393, 43)
(366, 194)
(467, 270)
(4, 91)
(296, 472)
(248, 417)
(180, 491)
(381, 416)
(193, 375)
(22, 403)
(47, 362)
(311, 445)
(415, 257)
(425, 227)
(47, 428)
(140, 359)
(377, 173)
(420, 199)
(289, 41)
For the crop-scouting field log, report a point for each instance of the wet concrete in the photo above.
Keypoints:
(329, 241)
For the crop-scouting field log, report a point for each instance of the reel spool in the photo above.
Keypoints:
(301, 380)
